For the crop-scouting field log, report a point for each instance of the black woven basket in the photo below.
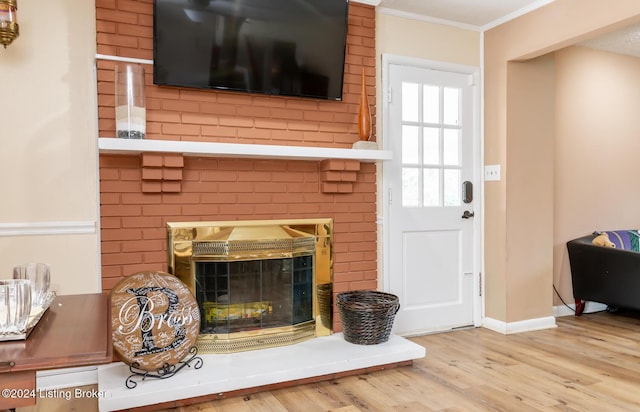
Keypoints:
(367, 316)
(325, 306)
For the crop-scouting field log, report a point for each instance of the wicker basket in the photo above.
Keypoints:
(367, 316)
(325, 307)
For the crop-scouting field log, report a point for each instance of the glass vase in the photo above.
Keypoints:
(131, 116)
(15, 305)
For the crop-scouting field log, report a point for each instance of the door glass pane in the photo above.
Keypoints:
(451, 146)
(431, 100)
(410, 145)
(452, 187)
(431, 145)
(431, 187)
(410, 187)
(410, 102)
(451, 106)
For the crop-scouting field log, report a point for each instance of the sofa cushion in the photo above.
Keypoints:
(625, 239)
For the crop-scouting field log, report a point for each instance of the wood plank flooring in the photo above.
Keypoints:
(589, 363)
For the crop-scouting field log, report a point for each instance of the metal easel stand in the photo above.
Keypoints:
(165, 372)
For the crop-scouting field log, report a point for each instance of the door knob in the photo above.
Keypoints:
(466, 214)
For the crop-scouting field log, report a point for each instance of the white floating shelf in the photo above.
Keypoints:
(109, 145)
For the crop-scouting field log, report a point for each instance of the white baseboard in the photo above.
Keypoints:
(67, 378)
(539, 323)
(590, 307)
(520, 326)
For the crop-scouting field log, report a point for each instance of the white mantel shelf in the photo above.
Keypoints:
(109, 145)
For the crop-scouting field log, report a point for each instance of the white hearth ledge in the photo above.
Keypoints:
(109, 145)
(229, 372)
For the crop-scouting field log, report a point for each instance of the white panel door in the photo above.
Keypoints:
(430, 219)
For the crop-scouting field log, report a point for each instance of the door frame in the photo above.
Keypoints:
(478, 179)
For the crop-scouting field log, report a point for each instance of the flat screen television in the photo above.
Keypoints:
(276, 47)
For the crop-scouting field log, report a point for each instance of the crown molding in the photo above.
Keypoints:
(374, 3)
(427, 19)
(520, 12)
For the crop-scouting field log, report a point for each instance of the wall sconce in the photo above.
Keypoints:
(9, 29)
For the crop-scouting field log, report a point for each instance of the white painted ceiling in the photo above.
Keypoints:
(624, 41)
(484, 14)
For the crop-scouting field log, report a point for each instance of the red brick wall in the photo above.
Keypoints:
(133, 232)
(125, 28)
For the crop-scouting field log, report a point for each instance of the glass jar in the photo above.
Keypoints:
(131, 118)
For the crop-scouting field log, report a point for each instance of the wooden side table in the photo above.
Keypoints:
(74, 331)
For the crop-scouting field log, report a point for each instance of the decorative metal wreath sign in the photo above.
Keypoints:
(155, 323)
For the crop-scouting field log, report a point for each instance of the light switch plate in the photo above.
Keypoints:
(491, 173)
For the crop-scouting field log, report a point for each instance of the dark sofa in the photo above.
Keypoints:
(606, 275)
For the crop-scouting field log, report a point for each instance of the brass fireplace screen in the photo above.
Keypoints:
(258, 284)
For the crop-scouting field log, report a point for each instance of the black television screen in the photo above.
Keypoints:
(277, 47)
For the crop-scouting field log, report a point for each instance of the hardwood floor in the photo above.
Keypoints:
(589, 363)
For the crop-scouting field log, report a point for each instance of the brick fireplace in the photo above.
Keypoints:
(140, 193)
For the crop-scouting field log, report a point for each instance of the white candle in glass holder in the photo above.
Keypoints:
(131, 117)
(15, 305)
(40, 276)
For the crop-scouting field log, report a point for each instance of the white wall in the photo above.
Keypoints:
(48, 155)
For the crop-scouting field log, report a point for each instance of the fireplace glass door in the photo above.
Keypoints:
(245, 296)
(258, 283)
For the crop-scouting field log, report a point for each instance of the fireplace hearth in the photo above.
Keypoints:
(258, 284)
